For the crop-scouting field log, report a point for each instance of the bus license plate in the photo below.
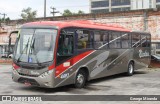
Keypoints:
(27, 83)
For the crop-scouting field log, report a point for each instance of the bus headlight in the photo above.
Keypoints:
(46, 73)
(15, 67)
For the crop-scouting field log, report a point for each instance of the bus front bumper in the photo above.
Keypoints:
(44, 80)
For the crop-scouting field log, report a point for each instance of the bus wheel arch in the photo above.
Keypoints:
(130, 68)
(81, 77)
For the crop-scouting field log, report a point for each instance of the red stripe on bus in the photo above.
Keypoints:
(61, 68)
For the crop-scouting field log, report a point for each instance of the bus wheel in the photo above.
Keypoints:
(130, 69)
(81, 78)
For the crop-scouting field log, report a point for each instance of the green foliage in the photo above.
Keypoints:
(67, 12)
(28, 15)
(6, 19)
(80, 12)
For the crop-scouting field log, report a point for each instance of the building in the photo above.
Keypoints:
(4, 42)
(104, 6)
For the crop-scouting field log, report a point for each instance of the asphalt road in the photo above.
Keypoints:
(143, 82)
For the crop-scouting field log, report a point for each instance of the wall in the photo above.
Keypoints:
(137, 20)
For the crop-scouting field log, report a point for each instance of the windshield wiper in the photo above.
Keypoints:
(31, 49)
(26, 46)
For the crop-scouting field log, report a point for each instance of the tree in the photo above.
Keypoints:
(28, 15)
(67, 12)
(80, 12)
(7, 20)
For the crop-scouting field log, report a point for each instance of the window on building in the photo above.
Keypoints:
(125, 9)
(4, 51)
(115, 9)
(157, 1)
(96, 4)
(100, 11)
(120, 2)
(157, 6)
(85, 39)
(150, 3)
(114, 40)
(120, 9)
(136, 40)
(157, 46)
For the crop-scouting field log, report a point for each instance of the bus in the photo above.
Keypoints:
(57, 53)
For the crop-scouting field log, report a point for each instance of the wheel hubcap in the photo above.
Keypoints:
(80, 79)
(131, 68)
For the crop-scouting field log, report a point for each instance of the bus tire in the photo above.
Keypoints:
(130, 70)
(81, 79)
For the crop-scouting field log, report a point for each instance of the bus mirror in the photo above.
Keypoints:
(10, 41)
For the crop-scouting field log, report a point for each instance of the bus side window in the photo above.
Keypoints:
(148, 40)
(125, 40)
(65, 47)
(84, 39)
(144, 40)
(98, 40)
(136, 40)
(105, 39)
(115, 40)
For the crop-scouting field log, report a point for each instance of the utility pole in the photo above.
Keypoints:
(0, 21)
(53, 12)
(4, 17)
(145, 16)
(44, 8)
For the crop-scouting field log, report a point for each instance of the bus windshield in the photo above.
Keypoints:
(35, 45)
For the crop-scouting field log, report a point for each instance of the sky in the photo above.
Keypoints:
(13, 8)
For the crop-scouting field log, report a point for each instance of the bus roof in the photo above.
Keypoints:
(78, 23)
